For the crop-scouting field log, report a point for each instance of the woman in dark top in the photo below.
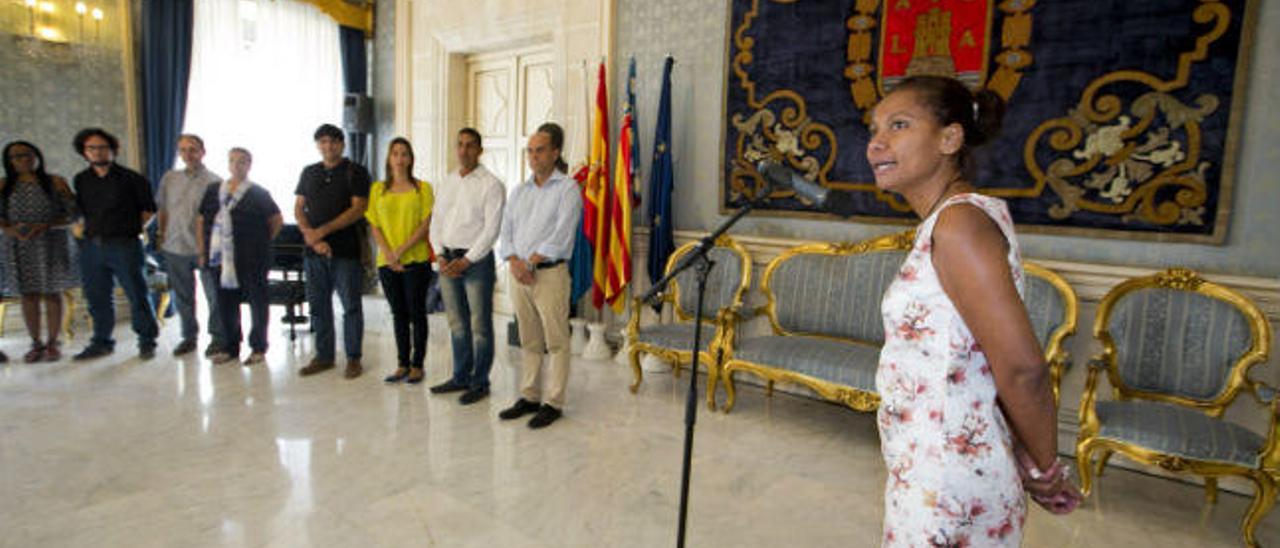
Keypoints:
(237, 222)
(35, 210)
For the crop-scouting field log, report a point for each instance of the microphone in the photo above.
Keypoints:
(837, 202)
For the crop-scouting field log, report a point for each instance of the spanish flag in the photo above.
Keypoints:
(595, 214)
(621, 202)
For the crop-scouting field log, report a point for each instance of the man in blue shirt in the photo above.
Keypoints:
(536, 240)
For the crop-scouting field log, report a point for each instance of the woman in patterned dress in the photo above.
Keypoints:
(35, 210)
(967, 419)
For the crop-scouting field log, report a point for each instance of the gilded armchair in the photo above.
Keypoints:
(1177, 350)
(1054, 311)
(726, 286)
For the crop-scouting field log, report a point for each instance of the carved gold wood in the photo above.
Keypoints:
(348, 14)
(1265, 477)
(723, 328)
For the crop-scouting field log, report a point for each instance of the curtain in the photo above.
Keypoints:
(166, 62)
(264, 76)
(355, 78)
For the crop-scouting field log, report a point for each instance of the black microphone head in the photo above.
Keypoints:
(776, 174)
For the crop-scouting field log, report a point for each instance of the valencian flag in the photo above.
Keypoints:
(621, 201)
(595, 212)
(661, 180)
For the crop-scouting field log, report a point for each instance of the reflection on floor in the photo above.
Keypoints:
(169, 452)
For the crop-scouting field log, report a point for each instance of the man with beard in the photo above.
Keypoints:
(115, 202)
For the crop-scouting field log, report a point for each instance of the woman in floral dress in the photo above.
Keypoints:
(35, 210)
(966, 419)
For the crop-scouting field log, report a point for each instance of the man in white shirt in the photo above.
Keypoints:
(537, 237)
(180, 193)
(465, 222)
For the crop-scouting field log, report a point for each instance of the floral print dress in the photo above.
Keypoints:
(953, 479)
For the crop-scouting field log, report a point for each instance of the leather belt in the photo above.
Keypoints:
(548, 264)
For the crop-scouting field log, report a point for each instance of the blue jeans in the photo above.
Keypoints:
(324, 275)
(101, 260)
(182, 272)
(468, 302)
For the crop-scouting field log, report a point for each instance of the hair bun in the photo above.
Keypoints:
(989, 110)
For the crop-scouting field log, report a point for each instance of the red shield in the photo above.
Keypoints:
(938, 37)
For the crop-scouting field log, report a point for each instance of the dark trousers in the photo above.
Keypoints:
(101, 261)
(407, 294)
(252, 290)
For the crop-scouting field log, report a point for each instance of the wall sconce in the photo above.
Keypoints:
(58, 30)
(44, 21)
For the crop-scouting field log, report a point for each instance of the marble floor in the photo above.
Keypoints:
(169, 452)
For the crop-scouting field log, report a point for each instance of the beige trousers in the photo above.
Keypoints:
(542, 311)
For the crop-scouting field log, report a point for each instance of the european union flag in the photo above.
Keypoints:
(661, 180)
(582, 264)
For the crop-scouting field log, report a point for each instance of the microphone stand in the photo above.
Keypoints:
(698, 259)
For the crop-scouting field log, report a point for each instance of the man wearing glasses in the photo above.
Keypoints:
(115, 203)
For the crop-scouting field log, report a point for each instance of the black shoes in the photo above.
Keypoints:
(521, 408)
(447, 387)
(474, 395)
(546, 415)
(146, 352)
(185, 347)
(93, 351)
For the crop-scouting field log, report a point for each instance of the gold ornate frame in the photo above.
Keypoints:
(1054, 354)
(724, 326)
(858, 400)
(1265, 477)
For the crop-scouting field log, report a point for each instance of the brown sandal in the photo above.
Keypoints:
(51, 352)
(35, 354)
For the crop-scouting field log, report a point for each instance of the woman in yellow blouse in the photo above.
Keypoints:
(400, 215)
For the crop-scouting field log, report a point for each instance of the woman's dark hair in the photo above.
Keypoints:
(86, 133)
(979, 112)
(11, 172)
(556, 134)
(407, 146)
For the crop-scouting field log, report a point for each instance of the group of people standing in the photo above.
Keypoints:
(220, 232)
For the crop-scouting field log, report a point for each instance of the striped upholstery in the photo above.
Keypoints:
(835, 295)
(1179, 431)
(677, 336)
(829, 360)
(1044, 305)
(722, 283)
(1177, 342)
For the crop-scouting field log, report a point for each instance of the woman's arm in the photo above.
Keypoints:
(419, 235)
(969, 253)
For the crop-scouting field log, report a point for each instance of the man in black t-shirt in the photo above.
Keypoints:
(331, 200)
(115, 202)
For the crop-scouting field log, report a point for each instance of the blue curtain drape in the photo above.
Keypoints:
(355, 78)
(355, 62)
(166, 64)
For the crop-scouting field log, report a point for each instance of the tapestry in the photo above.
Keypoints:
(1122, 121)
